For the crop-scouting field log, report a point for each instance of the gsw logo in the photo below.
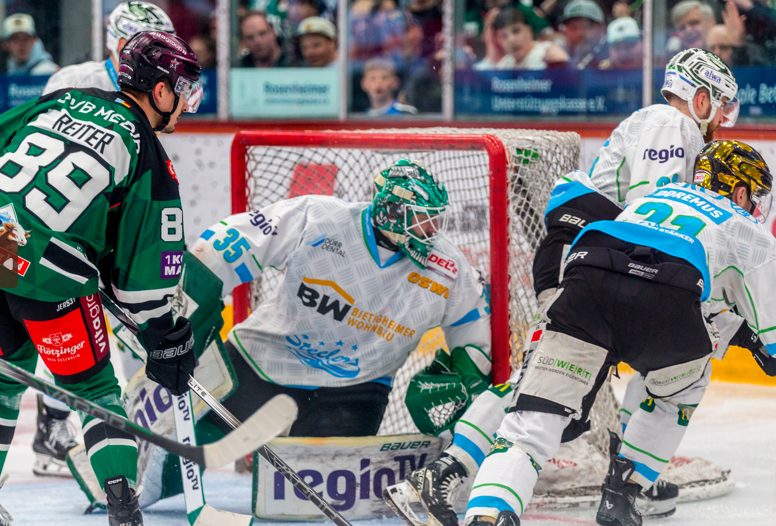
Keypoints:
(57, 339)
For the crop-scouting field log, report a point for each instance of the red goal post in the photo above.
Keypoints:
(498, 161)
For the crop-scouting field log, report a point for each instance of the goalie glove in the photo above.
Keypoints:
(436, 401)
(173, 361)
(747, 339)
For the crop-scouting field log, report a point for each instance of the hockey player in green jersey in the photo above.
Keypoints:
(87, 191)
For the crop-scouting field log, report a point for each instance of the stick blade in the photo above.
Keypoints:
(266, 423)
(210, 516)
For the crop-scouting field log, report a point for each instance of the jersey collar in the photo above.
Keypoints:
(371, 243)
(114, 77)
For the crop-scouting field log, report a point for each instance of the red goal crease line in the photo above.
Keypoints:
(498, 162)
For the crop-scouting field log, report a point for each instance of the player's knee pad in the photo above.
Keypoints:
(560, 371)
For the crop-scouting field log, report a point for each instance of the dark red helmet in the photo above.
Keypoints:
(151, 55)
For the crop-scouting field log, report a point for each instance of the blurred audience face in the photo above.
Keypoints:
(19, 46)
(260, 39)
(692, 28)
(380, 84)
(516, 39)
(626, 54)
(298, 10)
(581, 31)
(318, 50)
(203, 48)
(719, 42)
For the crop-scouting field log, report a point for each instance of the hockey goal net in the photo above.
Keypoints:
(499, 182)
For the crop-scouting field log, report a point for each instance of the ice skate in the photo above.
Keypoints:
(618, 502)
(53, 439)
(123, 507)
(505, 518)
(435, 487)
(659, 500)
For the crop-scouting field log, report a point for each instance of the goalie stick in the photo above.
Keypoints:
(269, 455)
(263, 425)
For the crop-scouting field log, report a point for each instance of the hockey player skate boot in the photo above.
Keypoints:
(123, 507)
(505, 518)
(435, 487)
(618, 500)
(659, 500)
(53, 439)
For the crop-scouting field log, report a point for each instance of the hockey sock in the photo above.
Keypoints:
(634, 395)
(475, 430)
(505, 482)
(111, 452)
(25, 357)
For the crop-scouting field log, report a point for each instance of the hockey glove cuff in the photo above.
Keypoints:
(747, 339)
(173, 361)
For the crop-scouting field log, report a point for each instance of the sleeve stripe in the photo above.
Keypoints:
(479, 359)
(470, 316)
(142, 296)
(144, 316)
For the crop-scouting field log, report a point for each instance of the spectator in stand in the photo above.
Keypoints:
(522, 52)
(381, 83)
(299, 10)
(376, 29)
(751, 28)
(494, 51)
(26, 55)
(584, 34)
(262, 46)
(625, 46)
(429, 15)
(720, 42)
(318, 42)
(205, 49)
(692, 20)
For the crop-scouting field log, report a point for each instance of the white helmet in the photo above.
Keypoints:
(130, 18)
(697, 68)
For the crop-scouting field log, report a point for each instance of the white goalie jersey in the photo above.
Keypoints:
(347, 311)
(658, 139)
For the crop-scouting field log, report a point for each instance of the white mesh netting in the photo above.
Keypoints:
(536, 158)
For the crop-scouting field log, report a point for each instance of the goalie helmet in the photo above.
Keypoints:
(409, 206)
(130, 18)
(694, 68)
(722, 165)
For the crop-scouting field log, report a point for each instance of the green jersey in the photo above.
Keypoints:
(85, 185)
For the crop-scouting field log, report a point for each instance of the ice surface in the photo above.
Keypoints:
(735, 426)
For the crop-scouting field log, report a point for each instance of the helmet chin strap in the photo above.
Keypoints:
(704, 123)
(165, 114)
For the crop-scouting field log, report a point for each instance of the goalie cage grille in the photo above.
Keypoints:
(479, 172)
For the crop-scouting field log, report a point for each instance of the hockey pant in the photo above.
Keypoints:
(72, 340)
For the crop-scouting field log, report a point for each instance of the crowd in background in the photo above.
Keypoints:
(395, 46)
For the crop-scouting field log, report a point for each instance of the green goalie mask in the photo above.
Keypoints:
(409, 205)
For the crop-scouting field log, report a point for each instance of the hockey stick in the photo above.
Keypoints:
(270, 456)
(263, 425)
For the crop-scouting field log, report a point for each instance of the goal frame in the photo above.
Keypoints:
(498, 163)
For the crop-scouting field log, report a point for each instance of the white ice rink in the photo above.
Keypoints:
(735, 426)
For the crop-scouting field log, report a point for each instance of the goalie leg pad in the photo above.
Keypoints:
(656, 429)
(635, 393)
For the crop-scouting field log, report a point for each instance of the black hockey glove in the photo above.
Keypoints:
(173, 361)
(747, 339)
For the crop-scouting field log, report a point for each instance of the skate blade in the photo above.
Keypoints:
(46, 466)
(656, 509)
(400, 497)
(5, 517)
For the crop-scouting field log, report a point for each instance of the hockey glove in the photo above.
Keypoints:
(747, 339)
(173, 361)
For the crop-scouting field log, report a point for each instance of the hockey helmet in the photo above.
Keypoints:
(695, 68)
(409, 205)
(130, 18)
(150, 56)
(722, 165)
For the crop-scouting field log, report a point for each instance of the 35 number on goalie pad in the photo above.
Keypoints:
(562, 370)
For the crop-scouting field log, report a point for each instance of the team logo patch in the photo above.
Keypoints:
(172, 171)
(443, 265)
(63, 343)
(58, 339)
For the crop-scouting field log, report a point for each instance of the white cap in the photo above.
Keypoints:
(18, 23)
(316, 25)
(624, 28)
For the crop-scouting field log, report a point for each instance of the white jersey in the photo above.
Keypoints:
(735, 254)
(101, 75)
(655, 146)
(346, 312)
